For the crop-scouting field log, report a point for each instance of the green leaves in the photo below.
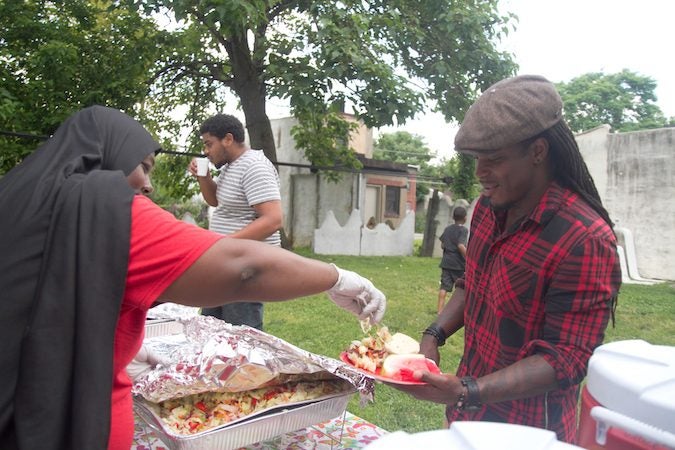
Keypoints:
(59, 57)
(324, 137)
(383, 59)
(456, 173)
(403, 147)
(624, 100)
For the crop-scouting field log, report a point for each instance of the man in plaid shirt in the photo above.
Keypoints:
(542, 271)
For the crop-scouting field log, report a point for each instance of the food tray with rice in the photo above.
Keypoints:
(251, 429)
(228, 386)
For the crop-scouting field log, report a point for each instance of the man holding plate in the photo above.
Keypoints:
(542, 271)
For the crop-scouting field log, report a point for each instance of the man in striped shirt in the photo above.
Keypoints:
(246, 198)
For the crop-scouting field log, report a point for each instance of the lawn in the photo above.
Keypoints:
(411, 286)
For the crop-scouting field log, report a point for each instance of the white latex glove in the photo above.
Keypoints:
(358, 296)
(144, 361)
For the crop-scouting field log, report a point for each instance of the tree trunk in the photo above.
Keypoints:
(249, 85)
(285, 241)
(430, 228)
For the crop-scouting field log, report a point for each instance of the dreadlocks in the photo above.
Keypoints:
(570, 171)
(569, 168)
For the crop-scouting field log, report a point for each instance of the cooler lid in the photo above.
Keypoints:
(474, 436)
(636, 379)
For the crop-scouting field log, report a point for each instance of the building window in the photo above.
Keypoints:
(392, 202)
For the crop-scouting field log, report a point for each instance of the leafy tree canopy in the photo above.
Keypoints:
(464, 183)
(407, 148)
(318, 55)
(457, 173)
(403, 147)
(624, 100)
(58, 57)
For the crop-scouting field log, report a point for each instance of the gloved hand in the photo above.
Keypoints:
(358, 296)
(144, 361)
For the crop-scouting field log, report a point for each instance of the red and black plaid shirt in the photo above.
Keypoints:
(544, 287)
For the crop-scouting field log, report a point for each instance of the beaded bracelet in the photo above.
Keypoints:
(437, 332)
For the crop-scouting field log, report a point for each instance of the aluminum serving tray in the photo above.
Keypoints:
(256, 428)
(162, 327)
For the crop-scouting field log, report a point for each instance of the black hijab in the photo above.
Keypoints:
(64, 248)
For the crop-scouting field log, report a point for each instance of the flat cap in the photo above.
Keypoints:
(508, 112)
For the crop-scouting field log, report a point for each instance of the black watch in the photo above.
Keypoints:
(472, 400)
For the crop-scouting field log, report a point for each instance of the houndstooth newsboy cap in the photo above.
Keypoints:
(508, 112)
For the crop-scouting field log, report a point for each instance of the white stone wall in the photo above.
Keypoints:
(308, 200)
(334, 239)
(444, 218)
(355, 239)
(286, 152)
(593, 146)
(635, 176)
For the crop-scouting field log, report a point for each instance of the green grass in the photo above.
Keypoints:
(411, 287)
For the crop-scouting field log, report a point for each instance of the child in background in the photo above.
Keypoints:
(453, 241)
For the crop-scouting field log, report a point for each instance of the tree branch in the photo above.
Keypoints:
(217, 35)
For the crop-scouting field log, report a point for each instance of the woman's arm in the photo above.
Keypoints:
(242, 269)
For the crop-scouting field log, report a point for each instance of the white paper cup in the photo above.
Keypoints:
(202, 166)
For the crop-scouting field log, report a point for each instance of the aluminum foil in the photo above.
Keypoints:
(215, 356)
(172, 311)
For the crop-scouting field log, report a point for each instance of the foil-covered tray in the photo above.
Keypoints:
(162, 327)
(215, 356)
(252, 429)
(164, 319)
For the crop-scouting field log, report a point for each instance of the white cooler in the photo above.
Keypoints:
(467, 435)
(628, 402)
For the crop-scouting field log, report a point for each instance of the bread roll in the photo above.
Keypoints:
(401, 344)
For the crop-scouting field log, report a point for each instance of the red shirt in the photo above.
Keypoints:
(543, 287)
(161, 249)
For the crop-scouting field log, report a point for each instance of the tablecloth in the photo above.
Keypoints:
(346, 432)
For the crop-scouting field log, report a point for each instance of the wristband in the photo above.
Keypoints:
(437, 332)
(472, 400)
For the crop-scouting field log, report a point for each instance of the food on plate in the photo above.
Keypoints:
(401, 344)
(369, 353)
(365, 325)
(402, 367)
(200, 412)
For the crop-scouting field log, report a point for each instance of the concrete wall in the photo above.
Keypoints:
(593, 146)
(444, 218)
(305, 196)
(355, 239)
(311, 199)
(286, 152)
(335, 239)
(635, 176)
(308, 199)
(362, 140)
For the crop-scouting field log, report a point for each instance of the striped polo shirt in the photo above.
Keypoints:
(249, 180)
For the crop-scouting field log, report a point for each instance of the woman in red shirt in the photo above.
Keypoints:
(83, 258)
